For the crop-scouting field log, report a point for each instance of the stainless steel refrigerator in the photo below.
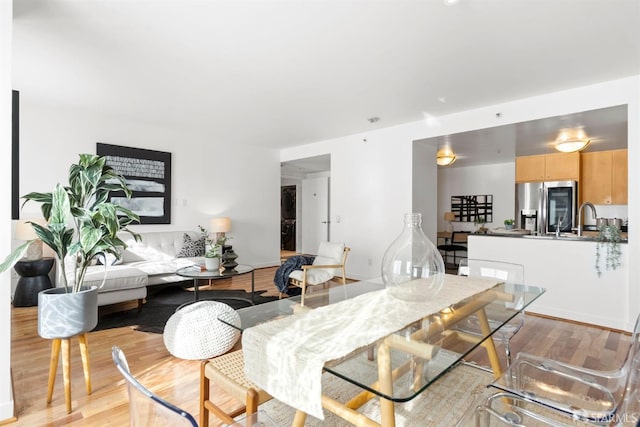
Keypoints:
(543, 206)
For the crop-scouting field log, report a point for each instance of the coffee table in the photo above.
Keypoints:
(196, 274)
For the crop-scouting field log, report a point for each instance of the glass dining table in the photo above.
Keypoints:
(414, 356)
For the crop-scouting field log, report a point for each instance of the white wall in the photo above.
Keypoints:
(573, 289)
(425, 188)
(6, 22)
(217, 179)
(497, 180)
(371, 189)
(372, 180)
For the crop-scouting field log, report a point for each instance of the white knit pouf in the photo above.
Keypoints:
(194, 332)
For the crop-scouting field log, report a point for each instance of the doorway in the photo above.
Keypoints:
(288, 218)
(304, 203)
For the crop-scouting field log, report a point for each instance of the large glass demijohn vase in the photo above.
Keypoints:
(412, 267)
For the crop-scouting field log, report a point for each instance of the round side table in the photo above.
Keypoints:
(33, 279)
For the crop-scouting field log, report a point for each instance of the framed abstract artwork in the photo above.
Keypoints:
(148, 176)
(473, 208)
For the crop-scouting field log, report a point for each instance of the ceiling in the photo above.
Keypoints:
(280, 73)
(606, 128)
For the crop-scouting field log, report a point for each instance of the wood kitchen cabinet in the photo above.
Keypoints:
(548, 167)
(604, 177)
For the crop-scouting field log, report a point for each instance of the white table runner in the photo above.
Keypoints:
(285, 357)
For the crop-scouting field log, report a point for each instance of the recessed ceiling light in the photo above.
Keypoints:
(445, 157)
(450, 2)
(571, 140)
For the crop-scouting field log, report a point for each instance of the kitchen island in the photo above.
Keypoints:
(566, 268)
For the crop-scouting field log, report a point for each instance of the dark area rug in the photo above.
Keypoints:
(161, 304)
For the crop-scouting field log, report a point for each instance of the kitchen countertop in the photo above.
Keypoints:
(587, 236)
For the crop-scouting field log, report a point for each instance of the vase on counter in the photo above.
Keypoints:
(412, 267)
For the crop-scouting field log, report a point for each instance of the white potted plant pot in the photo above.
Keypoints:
(66, 314)
(212, 264)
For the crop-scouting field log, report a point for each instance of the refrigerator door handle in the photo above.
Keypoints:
(542, 227)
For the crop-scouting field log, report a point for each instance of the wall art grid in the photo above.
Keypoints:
(471, 208)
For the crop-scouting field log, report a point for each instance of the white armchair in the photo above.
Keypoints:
(329, 263)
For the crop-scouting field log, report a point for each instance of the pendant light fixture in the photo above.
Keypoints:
(445, 157)
(571, 140)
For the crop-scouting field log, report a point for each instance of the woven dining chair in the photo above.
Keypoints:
(227, 372)
(145, 407)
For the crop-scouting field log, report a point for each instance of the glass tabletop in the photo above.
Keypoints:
(437, 343)
(195, 272)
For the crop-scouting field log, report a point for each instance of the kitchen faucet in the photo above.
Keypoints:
(593, 211)
(559, 226)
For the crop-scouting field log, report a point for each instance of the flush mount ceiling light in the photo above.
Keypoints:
(571, 140)
(445, 157)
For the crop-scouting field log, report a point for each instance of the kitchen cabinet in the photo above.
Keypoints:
(548, 167)
(604, 177)
(619, 177)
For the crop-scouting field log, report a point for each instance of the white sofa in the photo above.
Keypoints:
(151, 261)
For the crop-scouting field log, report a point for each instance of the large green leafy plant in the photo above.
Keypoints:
(81, 223)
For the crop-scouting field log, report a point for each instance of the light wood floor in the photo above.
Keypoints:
(178, 380)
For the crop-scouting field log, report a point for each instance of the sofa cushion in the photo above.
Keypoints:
(191, 247)
(155, 246)
(108, 259)
(117, 277)
(154, 268)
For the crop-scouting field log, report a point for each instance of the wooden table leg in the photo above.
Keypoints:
(494, 360)
(53, 367)
(66, 372)
(387, 409)
(299, 419)
(84, 351)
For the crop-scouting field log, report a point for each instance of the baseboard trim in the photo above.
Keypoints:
(576, 322)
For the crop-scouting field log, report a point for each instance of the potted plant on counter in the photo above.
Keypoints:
(509, 223)
(608, 238)
(81, 227)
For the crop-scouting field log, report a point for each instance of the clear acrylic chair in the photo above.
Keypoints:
(146, 408)
(512, 274)
(599, 397)
(505, 409)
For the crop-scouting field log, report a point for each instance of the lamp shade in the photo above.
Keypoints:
(24, 230)
(220, 225)
(449, 216)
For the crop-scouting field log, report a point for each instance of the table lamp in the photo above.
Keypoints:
(25, 232)
(220, 226)
(449, 216)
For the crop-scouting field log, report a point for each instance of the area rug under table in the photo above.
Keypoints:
(442, 404)
(163, 303)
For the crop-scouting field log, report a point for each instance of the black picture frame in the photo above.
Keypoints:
(471, 208)
(148, 175)
(15, 154)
